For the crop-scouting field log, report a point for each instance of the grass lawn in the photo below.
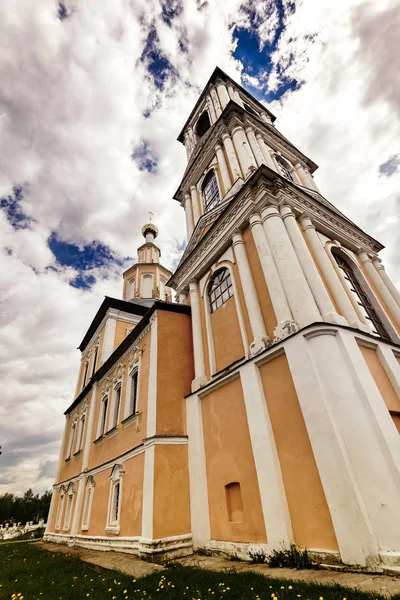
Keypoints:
(28, 572)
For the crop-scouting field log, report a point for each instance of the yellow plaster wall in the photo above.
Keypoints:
(132, 496)
(98, 514)
(260, 283)
(120, 331)
(130, 436)
(228, 344)
(204, 336)
(72, 467)
(229, 458)
(171, 491)
(174, 370)
(309, 513)
(82, 365)
(383, 383)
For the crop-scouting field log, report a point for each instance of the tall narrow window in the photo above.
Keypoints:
(361, 298)
(60, 507)
(210, 192)
(284, 167)
(220, 289)
(147, 290)
(203, 124)
(71, 440)
(117, 403)
(68, 508)
(89, 487)
(81, 431)
(96, 351)
(114, 504)
(134, 392)
(103, 416)
(85, 374)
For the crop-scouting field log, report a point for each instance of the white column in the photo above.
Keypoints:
(89, 424)
(188, 145)
(260, 337)
(310, 180)
(109, 338)
(192, 137)
(199, 508)
(310, 270)
(386, 279)
(254, 145)
(265, 152)
(331, 277)
(380, 286)
(187, 203)
(238, 98)
(195, 204)
(198, 351)
(298, 169)
(222, 94)
(354, 534)
(297, 290)
(211, 110)
(182, 299)
(272, 491)
(223, 167)
(284, 318)
(245, 155)
(231, 92)
(232, 158)
(217, 106)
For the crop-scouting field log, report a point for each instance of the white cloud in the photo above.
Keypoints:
(72, 106)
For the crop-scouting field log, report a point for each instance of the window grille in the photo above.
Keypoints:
(359, 295)
(220, 289)
(211, 196)
(285, 168)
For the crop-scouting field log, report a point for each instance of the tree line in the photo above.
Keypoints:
(20, 509)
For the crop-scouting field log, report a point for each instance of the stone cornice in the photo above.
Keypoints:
(263, 187)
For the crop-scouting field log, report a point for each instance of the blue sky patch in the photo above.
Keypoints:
(144, 158)
(12, 207)
(170, 9)
(158, 66)
(390, 167)
(62, 11)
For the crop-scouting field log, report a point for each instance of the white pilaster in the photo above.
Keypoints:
(310, 180)
(188, 145)
(260, 337)
(89, 424)
(254, 145)
(331, 277)
(198, 351)
(199, 508)
(265, 152)
(310, 270)
(243, 150)
(223, 168)
(188, 216)
(77, 504)
(222, 94)
(195, 204)
(237, 98)
(301, 175)
(284, 318)
(272, 492)
(297, 290)
(148, 493)
(231, 92)
(215, 100)
(109, 337)
(232, 158)
(386, 279)
(354, 534)
(211, 110)
(380, 286)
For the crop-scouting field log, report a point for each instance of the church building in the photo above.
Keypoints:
(253, 396)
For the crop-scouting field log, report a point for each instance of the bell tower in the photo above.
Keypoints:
(147, 278)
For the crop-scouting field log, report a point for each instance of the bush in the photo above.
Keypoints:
(257, 556)
(292, 557)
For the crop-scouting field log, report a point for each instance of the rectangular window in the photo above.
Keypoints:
(59, 511)
(117, 403)
(68, 511)
(96, 350)
(71, 440)
(115, 503)
(134, 393)
(103, 416)
(85, 374)
(81, 430)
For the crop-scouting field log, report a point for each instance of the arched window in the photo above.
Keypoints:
(147, 286)
(220, 288)
(284, 167)
(210, 191)
(359, 295)
(114, 506)
(203, 124)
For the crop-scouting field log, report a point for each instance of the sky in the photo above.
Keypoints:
(92, 97)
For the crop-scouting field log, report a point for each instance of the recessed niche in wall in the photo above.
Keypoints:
(234, 502)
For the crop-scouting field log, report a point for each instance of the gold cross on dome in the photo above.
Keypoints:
(150, 216)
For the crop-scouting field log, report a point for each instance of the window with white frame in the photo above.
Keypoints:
(71, 440)
(220, 288)
(117, 405)
(85, 373)
(60, 507)
(210, 191)
(96, 351)
(89, 491)
(133, 392)
(147, 290)
(103, 416)
(284, 167)
(361, 297)
(81, 432)
(163, 294)
(114, 504)
(68, 508)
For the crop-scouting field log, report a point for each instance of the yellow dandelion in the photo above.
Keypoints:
(290, 587)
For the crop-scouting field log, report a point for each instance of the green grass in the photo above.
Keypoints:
(33, 573)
